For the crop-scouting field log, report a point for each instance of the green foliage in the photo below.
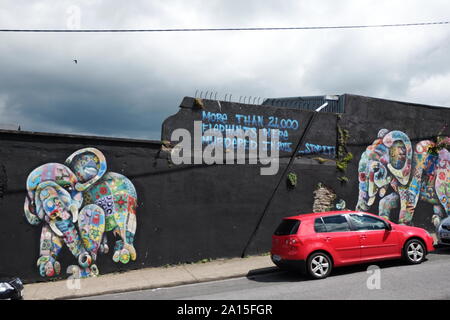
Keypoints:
(205, 260)
(442, 142)
(342, 164)
(321, 160)
(198, 103)
(343, 157)
(343, 179)
(292, 179)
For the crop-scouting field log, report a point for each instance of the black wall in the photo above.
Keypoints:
(191, 212)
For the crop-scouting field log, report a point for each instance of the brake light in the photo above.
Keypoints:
(292, 241)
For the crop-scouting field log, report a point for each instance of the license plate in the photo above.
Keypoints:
(276, 258)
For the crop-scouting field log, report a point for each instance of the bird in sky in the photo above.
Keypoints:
(76, 61)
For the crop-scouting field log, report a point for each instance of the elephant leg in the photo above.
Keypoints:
(129, 234)
(125, 220)
(114, 221)
(50, 246)
(121, 248)
(407, 207)
(387, 204)
(438, 215)
(81, 273)
(119, 255)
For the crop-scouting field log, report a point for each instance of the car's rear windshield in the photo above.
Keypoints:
(287, 227)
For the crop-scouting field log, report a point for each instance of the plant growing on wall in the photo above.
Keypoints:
(292, 179)
(343, 156)
(442, 142)
(198, 103)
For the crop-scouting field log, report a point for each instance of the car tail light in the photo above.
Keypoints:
(294, 241)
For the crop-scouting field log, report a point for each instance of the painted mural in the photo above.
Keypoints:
(78, 203)
(422, 172)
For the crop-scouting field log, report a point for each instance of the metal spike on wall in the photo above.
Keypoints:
(228, 97)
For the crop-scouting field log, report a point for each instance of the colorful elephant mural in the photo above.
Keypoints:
(419, 174)
(78, 202)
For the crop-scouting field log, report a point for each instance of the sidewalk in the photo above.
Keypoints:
(150, 278)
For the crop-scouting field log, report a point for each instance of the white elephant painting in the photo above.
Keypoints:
(391, 164)
(77, 203)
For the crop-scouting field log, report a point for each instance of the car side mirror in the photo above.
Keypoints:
(388, 226)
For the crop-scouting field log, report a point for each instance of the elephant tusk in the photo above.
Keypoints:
(382, 192)
(74, 211)
(55, 229)
(371, 201)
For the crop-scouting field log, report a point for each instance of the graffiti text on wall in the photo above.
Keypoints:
(226, 124)
(77, 203)
(315, 149)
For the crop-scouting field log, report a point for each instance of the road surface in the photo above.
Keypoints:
(387, 280)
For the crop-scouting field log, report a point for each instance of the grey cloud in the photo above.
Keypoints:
(127, 84)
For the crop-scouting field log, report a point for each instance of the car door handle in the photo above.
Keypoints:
(363, 236)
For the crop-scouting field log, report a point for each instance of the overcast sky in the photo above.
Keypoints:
(125, 85)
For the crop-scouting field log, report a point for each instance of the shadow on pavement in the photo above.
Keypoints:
(278, 275)
(441, 249)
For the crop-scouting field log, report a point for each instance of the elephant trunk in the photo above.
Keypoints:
(73, 241)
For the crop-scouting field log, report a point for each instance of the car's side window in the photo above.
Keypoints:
(336, 223)
(365, 222)
(319, 226)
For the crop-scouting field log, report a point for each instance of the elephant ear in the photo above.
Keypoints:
(30, 212)
(89, 165)
(63, 195)
(48, 172)
(400, 155)
(42, 193)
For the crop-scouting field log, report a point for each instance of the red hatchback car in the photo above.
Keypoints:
(317, 242)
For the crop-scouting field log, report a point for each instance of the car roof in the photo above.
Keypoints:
(303, 216)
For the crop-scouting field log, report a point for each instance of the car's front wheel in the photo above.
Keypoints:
(319, 265)
(414, 251)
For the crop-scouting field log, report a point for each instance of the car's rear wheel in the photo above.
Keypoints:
(319, 265)
(414, 251)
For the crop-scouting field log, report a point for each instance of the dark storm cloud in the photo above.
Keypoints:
(126, 84)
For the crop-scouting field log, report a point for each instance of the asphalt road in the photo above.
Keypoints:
(391, 280)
